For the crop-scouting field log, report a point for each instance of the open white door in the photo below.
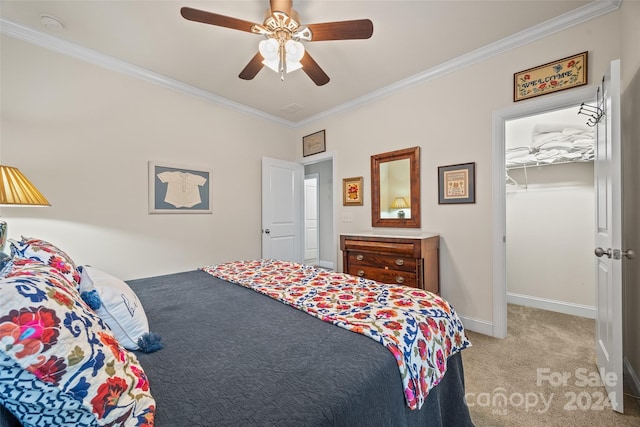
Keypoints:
(608, 238)
(282, 200)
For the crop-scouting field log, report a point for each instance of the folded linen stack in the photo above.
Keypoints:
(552, 144)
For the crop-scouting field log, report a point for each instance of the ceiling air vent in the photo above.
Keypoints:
(292, 108)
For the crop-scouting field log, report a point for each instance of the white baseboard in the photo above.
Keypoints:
(477, 325)
(552, 305)
(631, 377)
(325, 264)
(486, 328)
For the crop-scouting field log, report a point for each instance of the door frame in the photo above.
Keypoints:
(499, 217)
(317, 158)
(316, 178)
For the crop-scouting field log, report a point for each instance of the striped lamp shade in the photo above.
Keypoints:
(399, 203)
(17, 190)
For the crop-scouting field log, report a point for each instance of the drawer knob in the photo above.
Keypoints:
(400, 279)
(360, 273)
(399, 261)
(359, 257)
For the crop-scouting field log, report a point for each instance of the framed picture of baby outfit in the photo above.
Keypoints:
(179, 189)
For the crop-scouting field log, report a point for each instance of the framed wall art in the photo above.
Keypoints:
(457, 183)
(551, 77)
(179, 189)
(314, 143)
(352, 191)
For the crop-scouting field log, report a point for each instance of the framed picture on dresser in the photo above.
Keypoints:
(179, 189)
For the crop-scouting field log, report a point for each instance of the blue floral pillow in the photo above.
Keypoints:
(59, 363)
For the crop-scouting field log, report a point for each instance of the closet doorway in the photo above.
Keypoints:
(541, 105)
(550, 212)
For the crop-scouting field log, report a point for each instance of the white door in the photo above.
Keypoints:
(311, 230)
(282, 210)
(608, 237)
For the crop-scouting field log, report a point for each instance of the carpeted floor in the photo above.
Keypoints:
(543, 374)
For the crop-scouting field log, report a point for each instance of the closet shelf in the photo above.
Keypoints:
(534, 164)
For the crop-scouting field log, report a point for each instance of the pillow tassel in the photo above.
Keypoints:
(150, 342)
(92, 299)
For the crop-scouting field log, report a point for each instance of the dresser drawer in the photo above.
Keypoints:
(392, 277)
(397, 262)
(410, 261)
(408, 248)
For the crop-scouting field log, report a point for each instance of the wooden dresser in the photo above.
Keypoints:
(410, 260)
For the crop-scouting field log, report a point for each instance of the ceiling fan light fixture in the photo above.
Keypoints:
(292, 66)
(270, 51)
(295, 51)
(282, 50)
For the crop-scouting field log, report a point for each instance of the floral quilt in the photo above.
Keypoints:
(419, 328)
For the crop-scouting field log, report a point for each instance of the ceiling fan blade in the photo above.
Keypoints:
(215, 19)
(341, 30)
(253, 67)
(313, 70)
(281, 6)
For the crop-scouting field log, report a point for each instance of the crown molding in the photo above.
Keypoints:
(562, 22)
(587, 12)
(56, 44)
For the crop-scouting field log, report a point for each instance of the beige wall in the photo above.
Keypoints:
(549, 238)
(84, 136)
(451, 119)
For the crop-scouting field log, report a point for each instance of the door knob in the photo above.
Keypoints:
(629, 253)
(267, 231)
(599, 252)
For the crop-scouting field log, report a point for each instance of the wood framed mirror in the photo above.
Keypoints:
(395, 189)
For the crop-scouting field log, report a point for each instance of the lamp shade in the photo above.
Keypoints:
(17, 190)
(399, 203)
(270, 51)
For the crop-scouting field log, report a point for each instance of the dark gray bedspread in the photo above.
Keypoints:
(234, 357)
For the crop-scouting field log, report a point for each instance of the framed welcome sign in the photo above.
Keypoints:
(551, 77)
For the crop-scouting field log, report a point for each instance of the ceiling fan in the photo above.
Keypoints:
(282, 50)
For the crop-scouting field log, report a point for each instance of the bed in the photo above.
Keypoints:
(236, 356)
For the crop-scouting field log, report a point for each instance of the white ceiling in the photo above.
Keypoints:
(412, 40)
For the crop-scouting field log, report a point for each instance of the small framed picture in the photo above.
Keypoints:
(352, 191)
(314, 143)
(177, 189)
(457, 183)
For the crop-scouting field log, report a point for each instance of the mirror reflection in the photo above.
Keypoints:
(395, 189)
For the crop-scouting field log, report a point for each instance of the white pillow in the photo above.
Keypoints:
(120, 307)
